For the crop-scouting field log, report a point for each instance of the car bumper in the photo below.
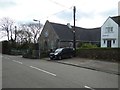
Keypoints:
(53, 57)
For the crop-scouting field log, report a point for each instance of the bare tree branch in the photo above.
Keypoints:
(6, 24)
(35, 30)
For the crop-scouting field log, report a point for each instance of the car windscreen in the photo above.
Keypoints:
(58, 50)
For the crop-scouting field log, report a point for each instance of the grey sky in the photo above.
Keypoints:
(60, 11)
(6, 4)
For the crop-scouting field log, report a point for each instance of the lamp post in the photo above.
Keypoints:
(73, 29)
(38, 43)
(37, 21)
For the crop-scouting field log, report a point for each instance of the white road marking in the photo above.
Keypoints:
(17, 61)
(89, 87)
(43, 71)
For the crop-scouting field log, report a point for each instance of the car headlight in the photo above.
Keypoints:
(56, 53)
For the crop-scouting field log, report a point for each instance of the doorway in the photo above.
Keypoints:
(108, 43)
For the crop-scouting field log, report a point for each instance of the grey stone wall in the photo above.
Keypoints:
(48, 38)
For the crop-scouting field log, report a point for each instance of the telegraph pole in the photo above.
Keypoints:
(74, 38)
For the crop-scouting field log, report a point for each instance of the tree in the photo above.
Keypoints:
(23, 35)
(29, 32)
(7, 26)
(35, 29)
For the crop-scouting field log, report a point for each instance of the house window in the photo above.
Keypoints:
(109, 29)
(113, 41)
(104, 41)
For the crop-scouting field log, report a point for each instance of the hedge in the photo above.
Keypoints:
(111, 54)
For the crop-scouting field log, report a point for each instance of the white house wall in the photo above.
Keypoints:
(109, 35)
(119, 37)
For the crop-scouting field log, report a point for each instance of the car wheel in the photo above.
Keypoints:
(60, 57)
(71, 56)
(51, 58)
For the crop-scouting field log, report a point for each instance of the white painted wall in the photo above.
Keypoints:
(119, 37)
(119, 26)
(109, 35)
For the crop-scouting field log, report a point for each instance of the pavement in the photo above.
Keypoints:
(98, 65)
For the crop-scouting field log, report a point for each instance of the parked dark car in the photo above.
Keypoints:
(62, 53)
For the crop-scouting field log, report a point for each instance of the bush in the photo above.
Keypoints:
(88, 45)
(44, 54)
(6, 48)
(16, 52)
(110, 54)
(33, 54)
(32, 51)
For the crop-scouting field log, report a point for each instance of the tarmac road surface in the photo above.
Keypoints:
(18, 72)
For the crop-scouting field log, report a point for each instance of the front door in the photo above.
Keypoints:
(108, 43)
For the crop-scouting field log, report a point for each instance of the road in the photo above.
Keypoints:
(18, 72)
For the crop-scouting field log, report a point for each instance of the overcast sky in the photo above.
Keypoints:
(89, 13)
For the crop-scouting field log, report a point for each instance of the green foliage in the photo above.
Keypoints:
(88, 45)
(5, 47)
(44, 54)
(110, 54)
(32, 51)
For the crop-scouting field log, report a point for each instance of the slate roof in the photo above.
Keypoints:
(82, 34)
(116, 19)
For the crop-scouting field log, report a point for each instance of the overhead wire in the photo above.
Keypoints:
(55, 13)
(66, 8)
(58, 3)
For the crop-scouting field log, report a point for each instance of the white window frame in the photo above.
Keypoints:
(104, 41)
(108, 29)
(114, 41)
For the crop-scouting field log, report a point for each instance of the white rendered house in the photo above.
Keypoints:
(110, 32)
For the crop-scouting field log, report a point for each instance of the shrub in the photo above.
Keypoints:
(44, 54)
(6, 47)
(110, 54)
(88, 45)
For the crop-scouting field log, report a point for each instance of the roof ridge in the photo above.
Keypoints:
(75, 26)
(115, 16)
(57, 23)
(116, 19)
